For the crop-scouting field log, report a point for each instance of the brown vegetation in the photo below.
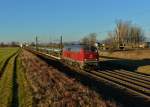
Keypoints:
(52, 88)
(133, 54)
(138, 58)
(144, 69)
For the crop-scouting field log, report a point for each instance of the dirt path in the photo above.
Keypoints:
(15, 100)
(8, 85)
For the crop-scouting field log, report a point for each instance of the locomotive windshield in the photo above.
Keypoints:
(90, 48)
(77, 48)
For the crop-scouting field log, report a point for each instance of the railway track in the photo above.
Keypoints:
(125, 75)
(133, 84)
(128, 74)
(141, 90)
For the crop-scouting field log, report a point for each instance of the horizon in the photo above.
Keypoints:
(73, 19)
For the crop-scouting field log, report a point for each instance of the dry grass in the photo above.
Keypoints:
(6, 85)
(5, 53)
(24, 92)
(52, 88)
(139, 58)
(135, 55)
(144, 69)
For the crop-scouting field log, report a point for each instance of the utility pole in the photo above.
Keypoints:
(61, 44)
(36, 43)
(50, 43)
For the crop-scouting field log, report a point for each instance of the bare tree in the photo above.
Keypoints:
(14, 44)
(136, 36)
(90, 39)
(2, 44)
(122, 31)
(85, 40)
(126, 34)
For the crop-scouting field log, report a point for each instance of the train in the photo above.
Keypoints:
(80, 56)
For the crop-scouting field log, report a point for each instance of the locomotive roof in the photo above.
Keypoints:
(76, 45)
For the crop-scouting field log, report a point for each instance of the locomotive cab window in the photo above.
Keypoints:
(69, 49)
(90, 49)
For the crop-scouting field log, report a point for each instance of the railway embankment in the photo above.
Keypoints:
(122, 85)
(51, 87)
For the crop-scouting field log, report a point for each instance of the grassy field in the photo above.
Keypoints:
(144, 69)
(7, 59)
(5, 53)
(24, 91)
(14, 89)
(6, 85)
(138, 58)
(133, 54)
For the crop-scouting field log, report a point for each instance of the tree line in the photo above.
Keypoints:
(11, 44)
(126, 35)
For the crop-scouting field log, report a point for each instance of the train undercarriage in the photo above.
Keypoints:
(81, 65)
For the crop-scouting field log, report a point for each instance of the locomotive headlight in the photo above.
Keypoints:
(96, 59)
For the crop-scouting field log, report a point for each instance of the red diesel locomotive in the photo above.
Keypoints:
(81, 56)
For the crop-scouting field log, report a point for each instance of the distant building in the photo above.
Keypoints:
(104, 46)
(21, 45)
(144, 45)
(148, 44)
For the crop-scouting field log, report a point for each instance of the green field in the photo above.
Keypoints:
(14, 89)
(5, 53)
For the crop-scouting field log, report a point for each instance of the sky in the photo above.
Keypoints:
(23, 20)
